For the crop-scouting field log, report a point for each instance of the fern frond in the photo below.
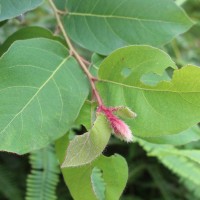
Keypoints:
(44, 176)
(193, 188)
(183, 163)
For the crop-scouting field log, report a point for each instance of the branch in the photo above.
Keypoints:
(73, 51)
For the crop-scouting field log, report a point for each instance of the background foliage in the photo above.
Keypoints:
(162, 171)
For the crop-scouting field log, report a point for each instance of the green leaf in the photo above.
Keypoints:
(10, 8)
(78, 179)
(166, 108)
(27, 33)
(125, 112)
(108, 25)
(98, 183)
(115, 175)
(184, 137)
(85, 148)
(60, 4)
(42, 89)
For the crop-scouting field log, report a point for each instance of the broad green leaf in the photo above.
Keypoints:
(78, 179)
(85, 148)
(166, 108)
(42, 89)
(10, 8)
(98, 183)
(60, 4)
(108, 25)
(115, 175)
(184, 137)
(27, 33)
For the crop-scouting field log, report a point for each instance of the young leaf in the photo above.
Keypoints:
(168, 107)
(108, 25)
(125, 112)
(85, 148)
(10, 8)
(78, 179)
(42, 89)
(115, 175)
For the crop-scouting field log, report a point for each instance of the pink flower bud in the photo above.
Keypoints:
(120, 129)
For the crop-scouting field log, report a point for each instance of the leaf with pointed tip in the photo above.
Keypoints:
(108, 25)
(10, 8)
(85, 148)
(42, 89)
(166, 108)
(78, 179)
(125, 112)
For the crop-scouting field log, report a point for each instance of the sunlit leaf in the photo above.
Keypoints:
(168, 107)
(85, 148)
(107, 25)
(42, 89)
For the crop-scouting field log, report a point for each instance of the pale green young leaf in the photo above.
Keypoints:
(83, 149)
(125, 112)
(166, 108)
(107, 25)
(78, 179)
(42, 89)
(10, 8)
(115, 175)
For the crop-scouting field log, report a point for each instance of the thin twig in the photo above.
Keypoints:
(76, 55)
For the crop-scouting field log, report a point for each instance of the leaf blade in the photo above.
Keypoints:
(10, 9)
(35, 94)
(123, 23)
(87, 147)
(158, 106)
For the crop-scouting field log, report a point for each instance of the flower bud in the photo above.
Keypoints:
(119, 127)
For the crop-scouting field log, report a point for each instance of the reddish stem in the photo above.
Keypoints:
(73, 52)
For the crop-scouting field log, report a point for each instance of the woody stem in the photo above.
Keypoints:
(76, 55)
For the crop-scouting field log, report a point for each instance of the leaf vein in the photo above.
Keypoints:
(35, 95)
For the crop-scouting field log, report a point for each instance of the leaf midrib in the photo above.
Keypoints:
(146, 89)
(38, 91)
(120, 17)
